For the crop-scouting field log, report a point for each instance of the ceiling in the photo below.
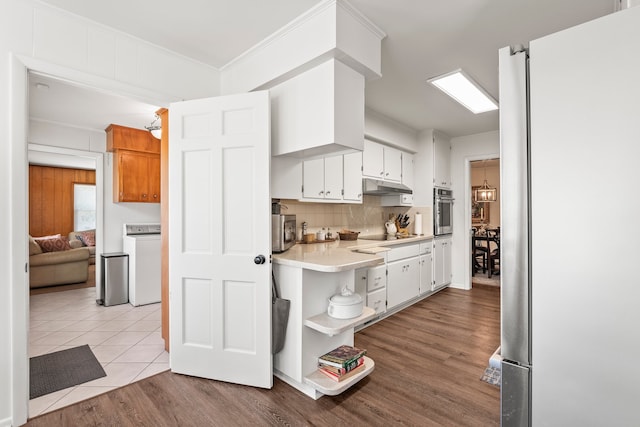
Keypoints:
(425, 38)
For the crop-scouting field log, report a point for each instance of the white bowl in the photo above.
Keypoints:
(345, 306)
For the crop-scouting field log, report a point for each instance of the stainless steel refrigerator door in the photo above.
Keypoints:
(515, 395)
(515, 337)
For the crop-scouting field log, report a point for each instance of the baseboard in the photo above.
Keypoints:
(5, 423)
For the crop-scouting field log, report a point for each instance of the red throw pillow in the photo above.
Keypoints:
(53, 243)
(87, 237)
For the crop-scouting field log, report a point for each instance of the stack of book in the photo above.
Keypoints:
(342, 362)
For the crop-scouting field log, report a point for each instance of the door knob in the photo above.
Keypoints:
(260, 259)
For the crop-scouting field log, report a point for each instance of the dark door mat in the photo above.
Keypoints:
(66, 368)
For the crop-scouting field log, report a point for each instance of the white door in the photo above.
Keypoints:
(220, 226)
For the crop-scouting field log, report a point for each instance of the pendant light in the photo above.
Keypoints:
(486, 193)
(155, 127)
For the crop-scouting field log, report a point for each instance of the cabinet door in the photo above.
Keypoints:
(333, 177)
(442, 262)
(313, 179)
(352, 177)
(441, 162)
(407, 169)
(378, 300)
(132, 177)
(392, 164)
(403, 282)
(426, 273)
(376, 278)
(286, 178)
(154, 178)
(373, 160)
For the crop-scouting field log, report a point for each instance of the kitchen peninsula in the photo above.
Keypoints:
(308, 275)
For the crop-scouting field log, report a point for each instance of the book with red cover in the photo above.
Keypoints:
(341, 371)
(338, 378)
(341, 357)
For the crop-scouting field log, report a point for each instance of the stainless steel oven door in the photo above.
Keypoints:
(443, 215)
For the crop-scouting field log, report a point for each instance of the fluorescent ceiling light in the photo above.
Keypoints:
(458, 85)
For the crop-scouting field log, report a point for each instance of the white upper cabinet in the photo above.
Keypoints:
(392, 164)
(333, 179)
(381, 162)
(407, 169)
(441, 161)
(286, 178)
(373, 160)
(319, 111)
(352, 176)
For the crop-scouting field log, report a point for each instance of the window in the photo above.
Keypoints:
(84, 207)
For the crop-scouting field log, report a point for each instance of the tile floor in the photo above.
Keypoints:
(125, 339)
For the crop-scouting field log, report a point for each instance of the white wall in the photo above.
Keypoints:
(465, 149)
(380, 128)
(35, 36)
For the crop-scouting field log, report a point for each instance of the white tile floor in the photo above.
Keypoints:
(125, 339)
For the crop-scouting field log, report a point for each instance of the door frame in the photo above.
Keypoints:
(467, 211)
(18, 134)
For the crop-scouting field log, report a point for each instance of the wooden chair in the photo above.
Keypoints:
(478, 255)
(494, 255)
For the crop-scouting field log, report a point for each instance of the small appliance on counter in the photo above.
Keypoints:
(283, 232)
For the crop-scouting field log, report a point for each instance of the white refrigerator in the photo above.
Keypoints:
(570, 238)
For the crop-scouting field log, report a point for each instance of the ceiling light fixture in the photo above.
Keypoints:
(155, 127)
(458, 85)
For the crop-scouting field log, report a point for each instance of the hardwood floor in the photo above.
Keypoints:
(429, 360)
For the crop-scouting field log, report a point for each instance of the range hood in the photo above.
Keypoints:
(380, 188)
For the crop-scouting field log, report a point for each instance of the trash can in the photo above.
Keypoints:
(114, 279)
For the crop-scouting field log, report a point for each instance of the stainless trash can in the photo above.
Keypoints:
(114, 279)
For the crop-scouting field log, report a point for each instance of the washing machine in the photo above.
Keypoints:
(142, 243)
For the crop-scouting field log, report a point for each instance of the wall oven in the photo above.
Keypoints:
(442, 211)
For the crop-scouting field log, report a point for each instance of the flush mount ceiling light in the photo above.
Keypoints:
(155, 127)
(458, 85)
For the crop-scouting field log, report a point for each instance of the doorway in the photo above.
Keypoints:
(484, 222)
(21, 68)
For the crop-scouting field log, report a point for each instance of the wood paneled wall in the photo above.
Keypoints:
(51, 198)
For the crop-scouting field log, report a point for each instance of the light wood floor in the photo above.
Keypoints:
(429, 360)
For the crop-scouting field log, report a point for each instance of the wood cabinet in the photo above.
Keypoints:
(381, 162)
(441, 262)
(136, 177)
(136, 165)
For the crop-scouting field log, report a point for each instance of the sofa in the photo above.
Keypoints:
(87, 238)
(57, 264)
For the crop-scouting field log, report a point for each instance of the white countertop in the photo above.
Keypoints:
(340, 255)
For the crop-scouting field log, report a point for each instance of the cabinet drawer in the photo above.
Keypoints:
(376, 278)
(378, 300)
(403, 252)
(425, 248)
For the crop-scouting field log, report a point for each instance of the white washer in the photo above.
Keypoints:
(142, 243)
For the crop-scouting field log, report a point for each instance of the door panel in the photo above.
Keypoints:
(219, 221)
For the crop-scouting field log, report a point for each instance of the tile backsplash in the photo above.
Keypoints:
(367, 218)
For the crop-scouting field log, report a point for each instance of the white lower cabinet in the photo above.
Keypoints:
(371, 284)
(378, 300)
(403, 274)
(441, 262)
(426, 267)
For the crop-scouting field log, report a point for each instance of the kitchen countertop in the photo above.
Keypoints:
(340, 255)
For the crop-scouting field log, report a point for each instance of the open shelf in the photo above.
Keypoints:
(330, 326)
(326, 385)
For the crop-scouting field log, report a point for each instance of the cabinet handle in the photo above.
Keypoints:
(382, 173)
(359, 195)
(155, 196)
(386, 174)
(327, 193)
(144, 195)
(320, 193)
